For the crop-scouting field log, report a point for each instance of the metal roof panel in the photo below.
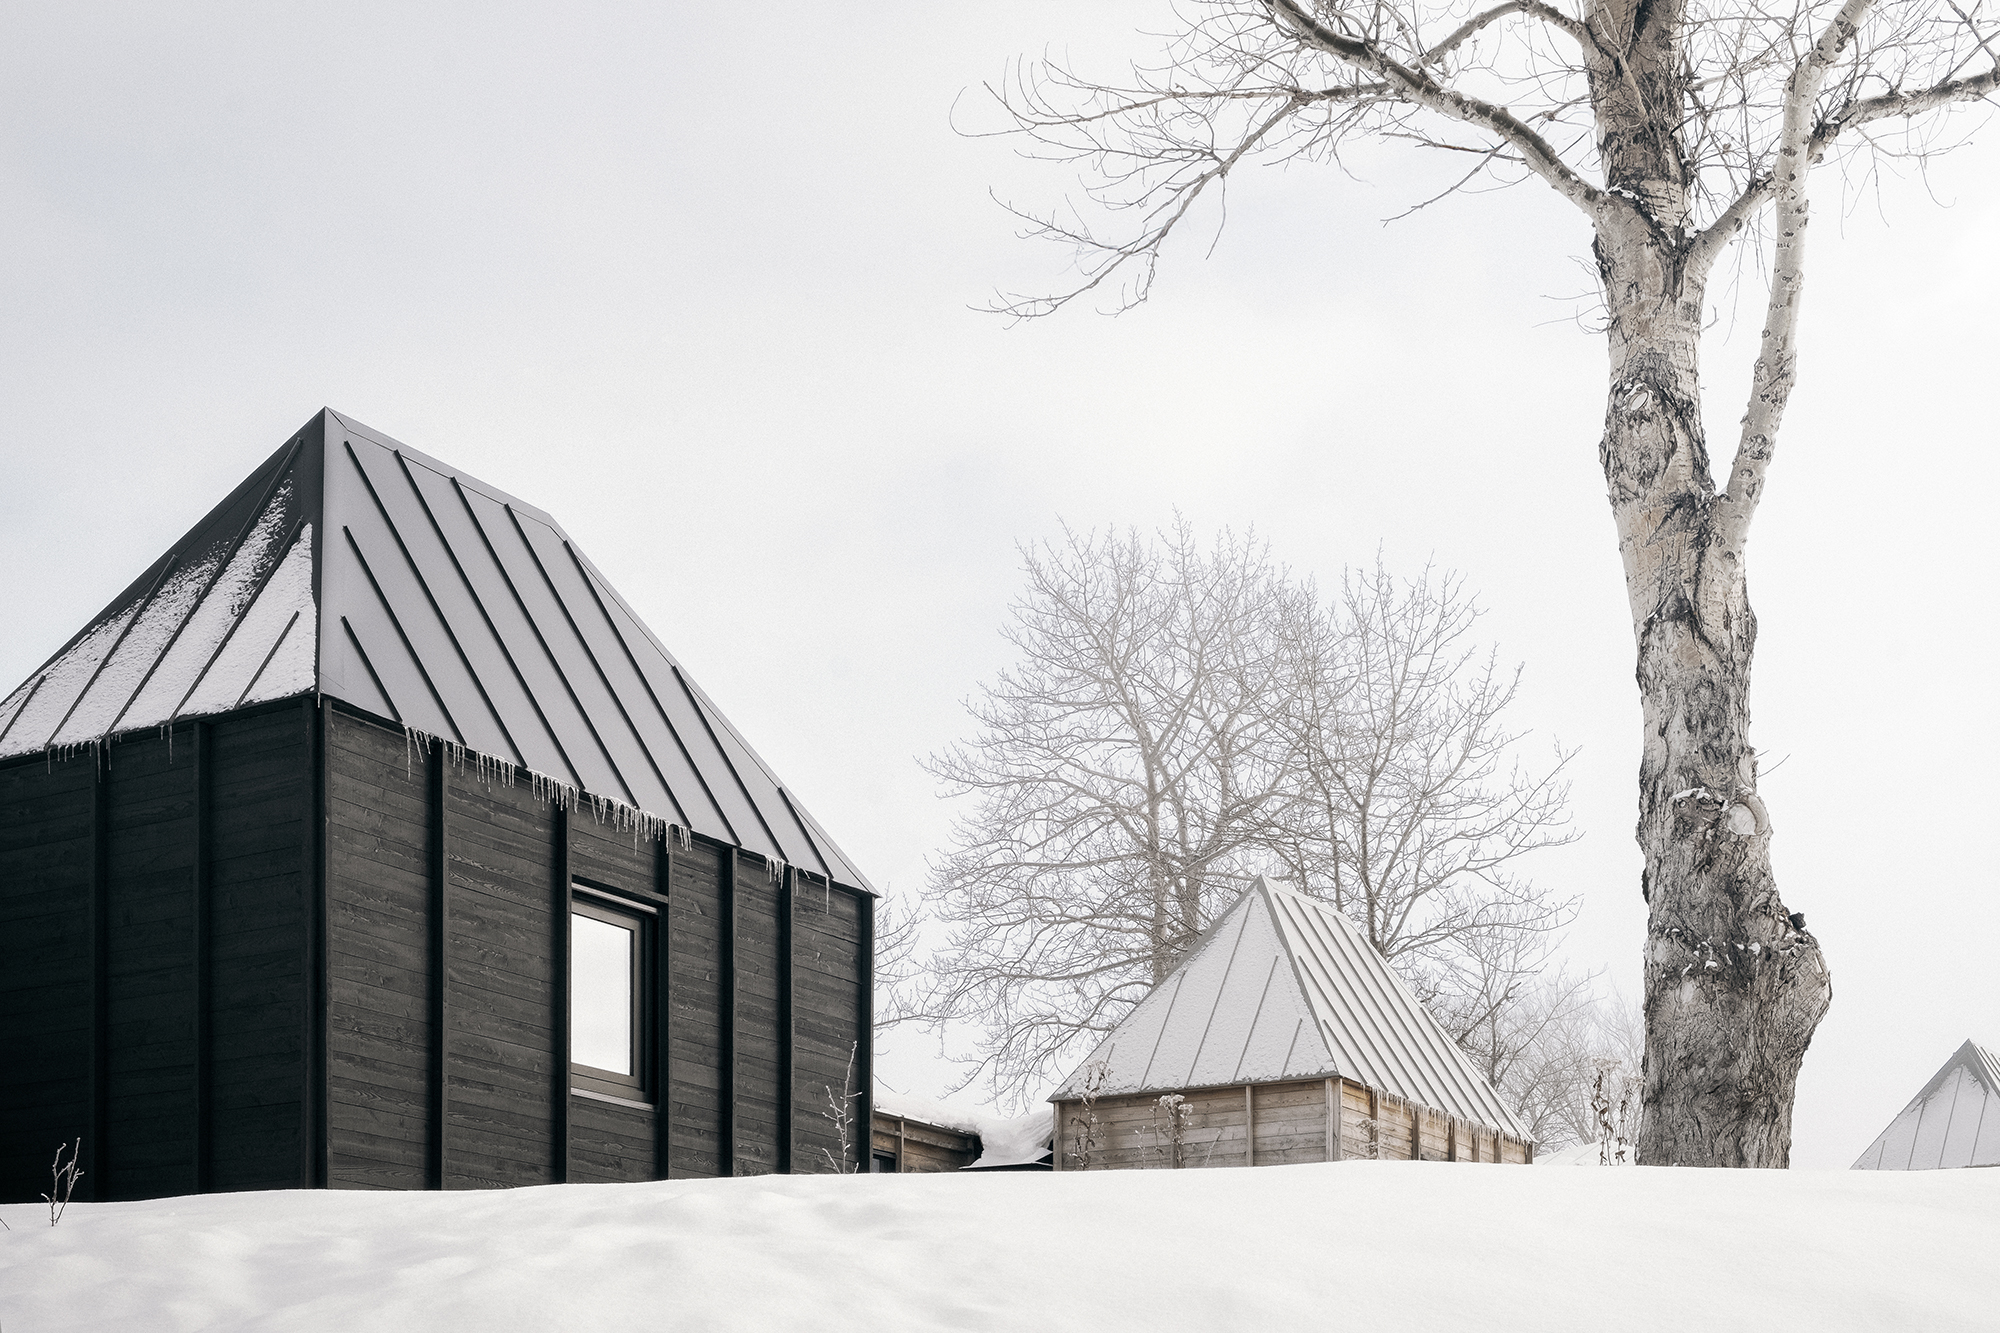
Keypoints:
(354, 566)
(1281, 986)
(1953, 1122)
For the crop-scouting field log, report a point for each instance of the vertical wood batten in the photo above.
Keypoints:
(789, 1038)
(97, 1154)
(663, 987)
(1249, 1125)
(865, 903)
(562, 997)
(1336, 1098)
(319, 1004)
(728, 961)
(440, 926)
(204, 818)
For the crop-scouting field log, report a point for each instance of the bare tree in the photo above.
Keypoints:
(1544, 1038)
(1407, 811)
(1120, 781)
(1672, 126)
(1185, 718)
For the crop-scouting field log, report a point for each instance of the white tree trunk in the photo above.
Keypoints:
(1733, 989)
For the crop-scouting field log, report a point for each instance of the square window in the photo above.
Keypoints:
(608, 946)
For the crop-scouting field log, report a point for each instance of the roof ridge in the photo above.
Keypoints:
(435, 601)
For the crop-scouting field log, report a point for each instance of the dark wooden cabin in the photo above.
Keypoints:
(370, 840)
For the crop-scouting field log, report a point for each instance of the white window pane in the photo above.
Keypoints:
(600, 993)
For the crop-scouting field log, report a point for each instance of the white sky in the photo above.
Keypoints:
(695, 280)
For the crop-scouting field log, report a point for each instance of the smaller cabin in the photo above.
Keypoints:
(1954, 1121)
(1282, 1037)
(916, 1135)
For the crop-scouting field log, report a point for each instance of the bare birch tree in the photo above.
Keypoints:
(1674, 127)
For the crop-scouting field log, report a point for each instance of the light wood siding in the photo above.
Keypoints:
(921, 1148)
(1290, 1123)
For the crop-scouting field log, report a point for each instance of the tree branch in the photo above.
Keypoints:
(1776, 369)
(1160, 223)
(1555, 18)
(1708, 246)
(1417, 86)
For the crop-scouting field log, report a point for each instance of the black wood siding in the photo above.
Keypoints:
(291, 946)
(378, 979)
(610, 1142)
(153, 980)
(501, 986)
(258, 983)
(45, 970)
(828, 1022)
(698, 1010)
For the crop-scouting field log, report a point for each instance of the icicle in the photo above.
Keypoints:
(774, 868)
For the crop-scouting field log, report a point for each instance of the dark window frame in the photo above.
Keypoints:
(643, 919)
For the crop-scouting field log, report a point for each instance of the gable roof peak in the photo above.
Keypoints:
(352, 566)
(1282, 986)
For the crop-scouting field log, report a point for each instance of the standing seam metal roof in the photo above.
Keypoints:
(1282, 987)
(353, 565)
(1953, 1122)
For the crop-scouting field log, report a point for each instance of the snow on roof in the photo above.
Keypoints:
(1284, 987)
(1003, 1140)
(1954, 1121)
(354, 566)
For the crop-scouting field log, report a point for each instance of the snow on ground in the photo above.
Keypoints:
(1427, 1246)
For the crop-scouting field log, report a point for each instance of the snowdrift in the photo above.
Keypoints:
(1417, 1246)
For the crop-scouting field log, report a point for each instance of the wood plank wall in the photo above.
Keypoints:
(919, 1148)
(1287, 1123)
(46, 984)
(153, 958)
(214, 989)
(830, 946)
(760, 978)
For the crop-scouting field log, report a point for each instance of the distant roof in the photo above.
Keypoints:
(1954, 1121)
(1284, 987)
(353, 565)
(1004, 1141)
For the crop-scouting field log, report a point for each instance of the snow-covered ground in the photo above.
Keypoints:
(1361, 1244)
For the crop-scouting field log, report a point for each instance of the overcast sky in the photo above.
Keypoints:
(695, 279)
